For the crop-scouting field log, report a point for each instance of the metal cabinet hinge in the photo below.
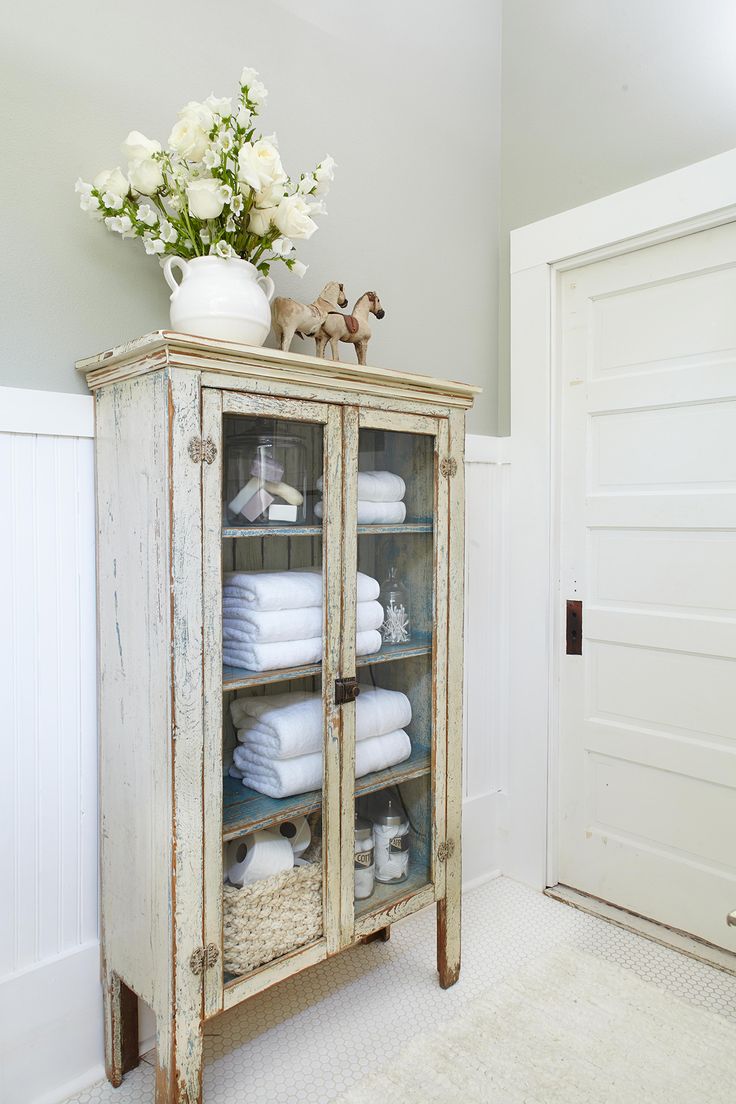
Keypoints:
(445, 850)
(448, 467)
(201, 450)
(346, 690)
(203, 957)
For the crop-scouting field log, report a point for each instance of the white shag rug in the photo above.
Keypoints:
(568, 1028)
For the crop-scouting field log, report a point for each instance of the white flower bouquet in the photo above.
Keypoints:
(219, 189)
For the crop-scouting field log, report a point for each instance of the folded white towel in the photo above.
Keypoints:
(282, 726)
(283, 590)
(288, 653)
(378, 486)
(241, 622)
(285, 777)
(374, 513)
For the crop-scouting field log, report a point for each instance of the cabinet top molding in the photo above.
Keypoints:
(165, 348)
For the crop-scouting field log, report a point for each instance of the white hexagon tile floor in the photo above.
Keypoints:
(309, 1039)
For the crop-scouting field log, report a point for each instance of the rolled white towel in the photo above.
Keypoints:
(282, 726)
(285, 590)
(377, 486)
(242, 623)
(374, 513)
(286, 777)
(288, 653)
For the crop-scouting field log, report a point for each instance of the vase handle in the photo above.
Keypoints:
(268, 286)
(169, 264)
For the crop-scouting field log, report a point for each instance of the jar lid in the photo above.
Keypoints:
(363, 829)
(392, 814)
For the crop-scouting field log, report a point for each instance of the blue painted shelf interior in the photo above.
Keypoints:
(239, 678)
(245, 810)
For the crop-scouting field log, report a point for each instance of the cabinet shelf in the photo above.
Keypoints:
(238, 531)
(385, 894)
(246, 810)
(240, 678)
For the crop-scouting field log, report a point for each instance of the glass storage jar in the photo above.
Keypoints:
(364, 859)
(391, 838)
(396, 627)
(265, 480)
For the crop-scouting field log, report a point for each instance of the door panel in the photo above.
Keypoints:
(400, 544)
(269, 651)
(647, 779)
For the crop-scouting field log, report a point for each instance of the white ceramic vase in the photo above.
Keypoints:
(227, 299)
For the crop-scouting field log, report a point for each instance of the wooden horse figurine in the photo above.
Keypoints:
(289, 316)
(352, 328)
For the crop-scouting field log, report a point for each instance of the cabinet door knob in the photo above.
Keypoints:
(731, 919)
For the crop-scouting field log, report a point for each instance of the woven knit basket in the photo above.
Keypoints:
(272, 917)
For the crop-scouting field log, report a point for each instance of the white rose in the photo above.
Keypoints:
(200, 112)
(136, 146)
(292, 218)
(189, 139)
(324, 174)
(113, 181)
(260, 220)
(259, 165)
(222, 106)
(146, 176)
(205, 198)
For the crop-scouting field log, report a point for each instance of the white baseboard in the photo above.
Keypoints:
(51, 1038)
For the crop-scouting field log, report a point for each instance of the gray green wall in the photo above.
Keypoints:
(405, 96)
(598, 95)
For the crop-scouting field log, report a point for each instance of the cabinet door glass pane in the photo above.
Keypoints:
(394, 713)
(272, 641)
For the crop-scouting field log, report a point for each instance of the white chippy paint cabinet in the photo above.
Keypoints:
(165, 407)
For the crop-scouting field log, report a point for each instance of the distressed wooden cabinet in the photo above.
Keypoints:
(172, 413)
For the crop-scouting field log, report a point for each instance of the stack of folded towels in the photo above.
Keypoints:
(273, 619)
(380, 498)
(279, 750)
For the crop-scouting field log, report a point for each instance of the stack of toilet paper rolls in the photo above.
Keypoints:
(269, 851)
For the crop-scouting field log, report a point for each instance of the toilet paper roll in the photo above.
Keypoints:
(258, 856)
(298, 834)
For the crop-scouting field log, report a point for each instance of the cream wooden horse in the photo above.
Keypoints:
(289, 316)
(352, 328)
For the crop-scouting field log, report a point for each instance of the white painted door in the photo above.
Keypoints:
(647, 751)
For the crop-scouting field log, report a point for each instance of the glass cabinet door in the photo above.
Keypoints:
(394, 735)
(271, 507)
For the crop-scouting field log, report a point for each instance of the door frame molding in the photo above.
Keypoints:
(695, 198)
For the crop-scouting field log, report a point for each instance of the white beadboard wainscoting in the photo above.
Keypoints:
(50, 1000)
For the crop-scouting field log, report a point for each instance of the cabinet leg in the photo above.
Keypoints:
(121, 1029)
(383, 935)
(448, 940)
(179, 1063)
